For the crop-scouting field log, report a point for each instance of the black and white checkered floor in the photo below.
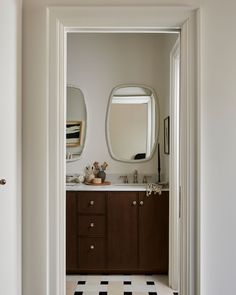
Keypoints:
(118, 285)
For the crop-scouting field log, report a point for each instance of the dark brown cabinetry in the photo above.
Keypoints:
(122, 230)
(116, 232)
(85, 231)
(71, 232)
(153, 232)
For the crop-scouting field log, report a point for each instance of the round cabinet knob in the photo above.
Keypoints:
(3, 181)
(141, 203)
(91, 203)
(134, 203)
(91, 247)
(91, 224)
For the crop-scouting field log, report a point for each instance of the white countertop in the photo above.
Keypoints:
(111, 187)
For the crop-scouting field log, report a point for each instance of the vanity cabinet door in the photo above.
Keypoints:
(122, 225)
(71, 232)
(154, 232)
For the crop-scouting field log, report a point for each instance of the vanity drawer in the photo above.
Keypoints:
(89, 225)
(92, 202)
(91, 253)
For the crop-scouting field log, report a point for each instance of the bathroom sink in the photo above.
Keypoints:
(131, 184)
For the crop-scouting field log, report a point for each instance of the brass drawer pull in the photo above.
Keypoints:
(91, 203)
(141, 203)
(134, 203)
(91, 224)
(91, 247)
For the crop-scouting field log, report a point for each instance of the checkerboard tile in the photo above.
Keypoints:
(119, 285)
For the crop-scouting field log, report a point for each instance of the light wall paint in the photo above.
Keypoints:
(128, 130)
(10, 147)
(76, 108)
(99, 62)
(217, 147)
(165, 105)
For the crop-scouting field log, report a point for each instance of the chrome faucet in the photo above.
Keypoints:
(145, 178)
(125, 178)
(135, 176)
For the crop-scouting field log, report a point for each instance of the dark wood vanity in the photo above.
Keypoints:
(117, 232)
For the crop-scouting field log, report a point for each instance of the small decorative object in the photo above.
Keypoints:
(96, 168)
(69, 178)
(79, 179)
(97, 180)
(167, 135)
(101, 174)
(153, 187)
(74, 178)
(100, 171)
(89, 174)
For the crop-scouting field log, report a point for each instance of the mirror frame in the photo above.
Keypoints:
(84, 131)
(157, 111)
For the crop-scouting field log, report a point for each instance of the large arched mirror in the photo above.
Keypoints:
(76, 123)
(132, 124)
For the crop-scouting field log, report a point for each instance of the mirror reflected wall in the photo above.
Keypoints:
(132, 123)
(98, 63)
(76, 123)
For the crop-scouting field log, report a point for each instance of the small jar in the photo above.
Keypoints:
(101, 174)
(90, 177)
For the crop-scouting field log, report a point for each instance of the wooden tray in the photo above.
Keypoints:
(97, 184)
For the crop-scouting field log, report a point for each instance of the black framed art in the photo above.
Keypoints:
(73, 133)
(167, 135)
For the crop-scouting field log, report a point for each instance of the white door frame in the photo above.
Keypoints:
(174, 253)
(148, 19)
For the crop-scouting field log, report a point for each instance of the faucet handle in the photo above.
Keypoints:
(145, 178)
(125, 177)
(135, 176)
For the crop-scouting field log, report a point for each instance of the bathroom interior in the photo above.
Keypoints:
(118, 149)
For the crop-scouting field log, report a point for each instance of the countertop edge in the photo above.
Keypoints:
(84, 187)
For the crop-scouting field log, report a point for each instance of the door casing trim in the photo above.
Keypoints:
(143, 19)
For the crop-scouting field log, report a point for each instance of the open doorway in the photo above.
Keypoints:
(124, 19)
(96, 64)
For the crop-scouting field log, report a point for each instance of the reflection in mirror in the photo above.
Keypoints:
(132, 123)
(75, 123)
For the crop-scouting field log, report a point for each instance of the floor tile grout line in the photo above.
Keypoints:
(130, 284)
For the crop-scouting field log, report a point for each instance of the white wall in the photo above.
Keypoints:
(99, 62)
(168, 44)
(218, 147)
(128, 130)
(10, 147)
(218, 140)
